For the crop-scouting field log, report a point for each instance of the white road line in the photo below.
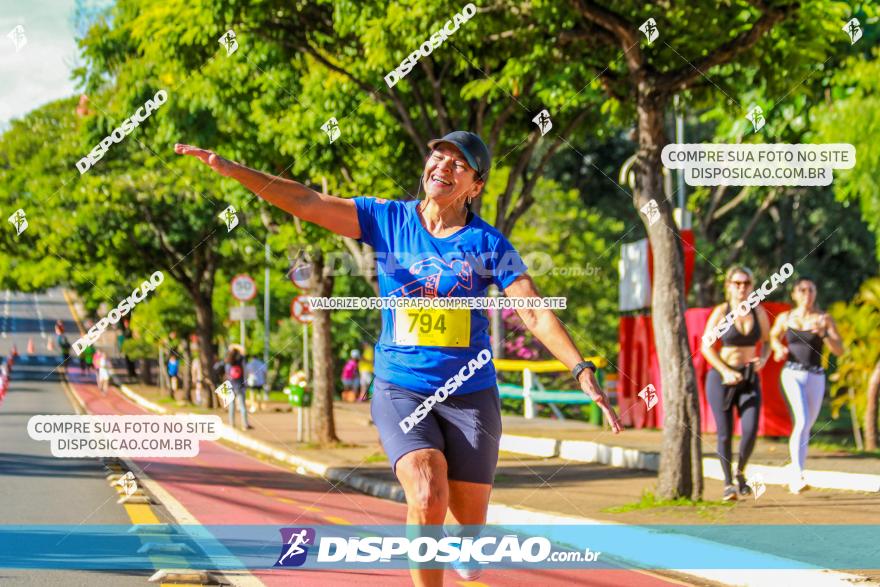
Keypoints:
(5, 323)
(39, 316)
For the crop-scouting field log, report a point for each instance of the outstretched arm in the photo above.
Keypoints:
(549, 330)
(337, 215)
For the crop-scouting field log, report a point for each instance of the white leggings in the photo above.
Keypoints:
(804, 391)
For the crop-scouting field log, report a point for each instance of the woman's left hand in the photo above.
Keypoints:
(590, 386)
(760, 362)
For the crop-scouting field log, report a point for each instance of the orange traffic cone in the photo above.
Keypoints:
(30, 345)
(50, 346)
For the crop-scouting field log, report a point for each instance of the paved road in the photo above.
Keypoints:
(35, 487)
(220, 486)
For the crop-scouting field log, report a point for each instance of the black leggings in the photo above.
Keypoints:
(748, 403)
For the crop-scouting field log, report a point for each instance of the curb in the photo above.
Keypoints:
(633, 458)
(338, 475)
(162, 497)
(502, 514)
(506, 515)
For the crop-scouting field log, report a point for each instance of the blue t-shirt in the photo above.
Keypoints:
(413, 263)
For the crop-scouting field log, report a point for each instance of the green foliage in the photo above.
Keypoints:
(859, 326)
(141, 208)
(138, 348)
(856, 99)
(578, 264)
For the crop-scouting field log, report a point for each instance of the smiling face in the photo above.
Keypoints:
(448, 176)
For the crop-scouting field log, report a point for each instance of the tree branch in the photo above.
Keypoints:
(682, 78)
(391, 100)
(526, 199)
(620, 28)
(744, 237)
(504, 198)
(743, 193)
(439, 104)
(423, 109)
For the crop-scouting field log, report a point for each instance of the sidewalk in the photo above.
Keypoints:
(568, 439)
(544, 441)
(531, 489)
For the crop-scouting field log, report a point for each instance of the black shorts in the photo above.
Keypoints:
(465, 428)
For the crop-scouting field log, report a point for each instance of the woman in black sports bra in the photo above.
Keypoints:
(733, 381)
(798, 336)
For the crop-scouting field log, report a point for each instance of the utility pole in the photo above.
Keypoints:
(266, 324)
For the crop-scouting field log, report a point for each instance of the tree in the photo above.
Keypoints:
(706, 38)
(297, 67)
(858, 368)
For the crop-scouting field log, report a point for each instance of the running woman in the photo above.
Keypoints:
(799, 335)
(434, 247)
(733, 380)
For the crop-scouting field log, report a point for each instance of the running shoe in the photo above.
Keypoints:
(466, 572)
(797, 485)
(744, 489)
(729, 493)
(469, 571)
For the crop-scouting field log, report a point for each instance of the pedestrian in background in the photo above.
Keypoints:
(235, 376)
(195, 373)
(102, 364)
(365, 371)
(255, 378)
(350, 381)
(798, 337)
(61, 339)
(173, 369)
(87, 359)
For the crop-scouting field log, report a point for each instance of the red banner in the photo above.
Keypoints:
(638, 366)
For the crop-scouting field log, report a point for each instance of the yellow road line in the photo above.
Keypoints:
(73, 313)
(141, 513)
(138, 513)
(337, 520)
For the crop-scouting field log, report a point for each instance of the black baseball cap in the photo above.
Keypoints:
(474, 149)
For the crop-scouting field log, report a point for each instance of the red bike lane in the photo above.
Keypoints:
(224, 487)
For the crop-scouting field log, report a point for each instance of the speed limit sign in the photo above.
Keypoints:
(244, 288)
(300, 309)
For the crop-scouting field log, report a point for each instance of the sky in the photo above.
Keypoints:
(40, 71)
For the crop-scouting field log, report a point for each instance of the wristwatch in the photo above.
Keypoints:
(581, 366)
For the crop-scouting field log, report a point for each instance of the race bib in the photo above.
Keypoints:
(432, 327)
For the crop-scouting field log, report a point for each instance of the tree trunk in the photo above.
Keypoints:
(185, 371)
(871, 409)
(145, 371)
(681, 472)
(323, 373)
(205, 332)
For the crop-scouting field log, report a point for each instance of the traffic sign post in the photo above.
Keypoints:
(302, 313)
(244, 289)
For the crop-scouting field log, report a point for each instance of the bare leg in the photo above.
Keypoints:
(422, 473)
(468, 503)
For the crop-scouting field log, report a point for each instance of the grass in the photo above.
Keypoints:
(837, 446)
(706, 509)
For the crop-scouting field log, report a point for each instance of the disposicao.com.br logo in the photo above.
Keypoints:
(366, 547)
